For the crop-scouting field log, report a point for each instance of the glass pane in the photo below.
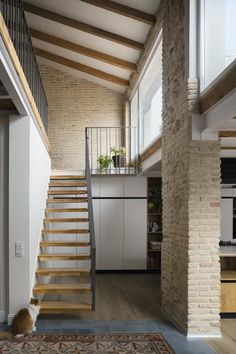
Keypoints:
(219, 32)
(150, 94)
(134, 125)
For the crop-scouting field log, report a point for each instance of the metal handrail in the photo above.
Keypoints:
(91, 221)
(13, 14)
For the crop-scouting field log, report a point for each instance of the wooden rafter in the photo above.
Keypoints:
(123, 10)
(81, 67)
(81, 26)
(228, 147)
(124, 64)
(227, 134)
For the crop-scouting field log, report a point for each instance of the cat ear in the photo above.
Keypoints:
(34, 301)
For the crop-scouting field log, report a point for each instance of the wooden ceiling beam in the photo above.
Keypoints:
(228, 147)
(227, 134)
(59, 42)
(123, 10)
(81, 26)
(81, 67)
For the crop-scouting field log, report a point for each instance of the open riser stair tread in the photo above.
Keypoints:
(66, 210)
(52, 220)
(64, 244)
(63, 306)
(62, 272)
(67, 200)
(63, 256)
(68, 192)
(65, 231)
(67, 184)
(62, 288)
(68, 177)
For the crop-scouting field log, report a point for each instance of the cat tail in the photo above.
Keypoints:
(5, 335)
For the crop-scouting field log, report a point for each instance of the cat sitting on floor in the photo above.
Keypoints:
(24, 321)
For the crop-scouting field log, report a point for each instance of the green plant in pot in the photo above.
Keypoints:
(104, 162)
(118, 156)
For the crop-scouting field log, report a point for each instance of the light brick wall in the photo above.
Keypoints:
(73, 105)
(191, 194)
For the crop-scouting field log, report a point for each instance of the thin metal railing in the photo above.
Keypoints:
(91, 221)
(113, 150)
(14, 17)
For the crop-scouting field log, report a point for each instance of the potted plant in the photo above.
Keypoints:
(118, 156)
(104, 162)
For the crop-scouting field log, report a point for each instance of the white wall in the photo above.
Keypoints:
(3, 217)
(29, 169)
(40, 167)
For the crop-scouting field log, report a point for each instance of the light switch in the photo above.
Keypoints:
(19, 249)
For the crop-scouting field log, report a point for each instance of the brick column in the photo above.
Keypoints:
(191, 194)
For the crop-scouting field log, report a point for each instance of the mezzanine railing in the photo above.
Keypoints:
(14, 17)
(113, 150)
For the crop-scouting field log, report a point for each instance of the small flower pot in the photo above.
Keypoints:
(119, 161)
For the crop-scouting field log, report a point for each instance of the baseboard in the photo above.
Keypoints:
(3, 316)
(10, 318)
(207, 336)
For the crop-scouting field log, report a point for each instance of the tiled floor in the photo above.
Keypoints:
(179, 343)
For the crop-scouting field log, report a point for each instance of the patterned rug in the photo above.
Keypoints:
(87, 344)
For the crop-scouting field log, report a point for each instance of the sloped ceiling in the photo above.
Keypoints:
(110, 72)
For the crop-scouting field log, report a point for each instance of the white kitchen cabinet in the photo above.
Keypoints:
(226, 219)
(120, 212)
(135, 186)
(111, 186)
(135, 224)
(112, 236)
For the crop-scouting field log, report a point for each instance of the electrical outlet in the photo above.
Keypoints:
(19, 249)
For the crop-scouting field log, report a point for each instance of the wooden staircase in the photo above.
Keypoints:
(65, 278)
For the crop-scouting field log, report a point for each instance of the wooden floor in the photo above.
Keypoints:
(138, 297)
(124, 297)
(227, 344)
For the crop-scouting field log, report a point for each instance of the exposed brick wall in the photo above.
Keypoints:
(73, 105)
(191, 194)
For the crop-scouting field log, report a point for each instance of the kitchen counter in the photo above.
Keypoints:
(228, 251)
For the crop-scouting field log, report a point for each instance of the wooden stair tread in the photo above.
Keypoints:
(69, 288)
(73, 177)
(66, 210)
(65, 231)
(67, 200)
(67, 184)
(63, 256)
(62, 271)
(68, 192)
(63, 244)
(51, 220)
(63, 306)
